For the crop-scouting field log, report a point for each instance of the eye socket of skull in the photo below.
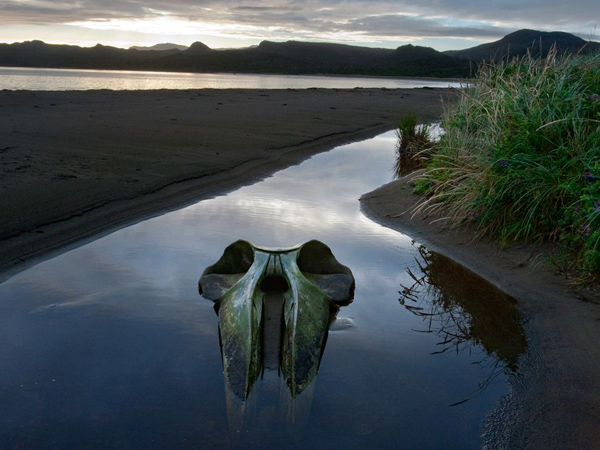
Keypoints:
(315, 257)
(319, 266)
(237, 258)
(228, 270)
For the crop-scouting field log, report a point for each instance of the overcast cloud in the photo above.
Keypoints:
(352, 21)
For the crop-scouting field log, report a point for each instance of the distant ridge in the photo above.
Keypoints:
(198, 47)
(40, 54)
(160, 47)
(292, 57)
(517, 44)
(269, 57)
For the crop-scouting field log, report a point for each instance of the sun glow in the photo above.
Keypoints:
(169, 26)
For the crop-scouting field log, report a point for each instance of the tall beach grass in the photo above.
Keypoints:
(415, 145)
(520, 157)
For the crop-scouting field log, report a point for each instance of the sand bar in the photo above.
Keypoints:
(74, 165)
(554, 400)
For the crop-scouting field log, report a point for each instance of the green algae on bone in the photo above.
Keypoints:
(315, 285)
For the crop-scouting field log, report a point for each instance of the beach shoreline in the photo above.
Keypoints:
(554, 398)
(76, 165)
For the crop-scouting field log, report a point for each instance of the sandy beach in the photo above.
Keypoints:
(74, 165)
(554, 400)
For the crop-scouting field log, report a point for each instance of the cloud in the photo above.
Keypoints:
(398, 25)
(353, 20)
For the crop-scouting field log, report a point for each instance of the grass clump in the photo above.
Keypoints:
(520, 157)
(414, 144)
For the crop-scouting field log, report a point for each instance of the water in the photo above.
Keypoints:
(15, 78)
(110, 345)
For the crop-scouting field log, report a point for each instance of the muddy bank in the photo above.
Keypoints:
(76, 164)
(554, 400)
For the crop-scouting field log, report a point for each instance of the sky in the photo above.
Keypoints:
(441, 24)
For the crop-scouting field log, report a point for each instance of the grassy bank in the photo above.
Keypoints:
(520, 158)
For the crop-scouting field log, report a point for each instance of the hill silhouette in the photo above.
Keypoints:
(291, 57)
(519, 43)
(269, 57)
(159, 47)
(40, 54)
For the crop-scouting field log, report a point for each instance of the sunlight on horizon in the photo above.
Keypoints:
(168, 26)
(126, 33)
(238, 24)
(212, 32)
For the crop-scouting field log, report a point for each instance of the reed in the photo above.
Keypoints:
(414, 144)
(520, 157)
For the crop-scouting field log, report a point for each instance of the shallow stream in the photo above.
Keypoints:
(110, 345)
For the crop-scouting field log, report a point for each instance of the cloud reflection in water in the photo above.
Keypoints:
(134, 351)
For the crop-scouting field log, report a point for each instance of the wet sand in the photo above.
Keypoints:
(554, 401)
(74, 165)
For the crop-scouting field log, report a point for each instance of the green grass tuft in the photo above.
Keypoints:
(520, 157)
(414, 144)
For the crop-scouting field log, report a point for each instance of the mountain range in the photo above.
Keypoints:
(519, 43)
(159, 47)
(293, 57)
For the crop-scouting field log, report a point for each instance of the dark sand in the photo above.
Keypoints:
(554, 403)
(77, 164)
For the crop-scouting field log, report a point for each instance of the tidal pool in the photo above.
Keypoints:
(110, 345)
